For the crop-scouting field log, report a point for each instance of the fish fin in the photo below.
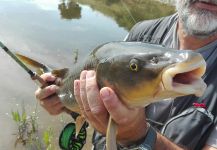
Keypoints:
(39, 67)
(111, 135)
(79, 122)
(61, 73)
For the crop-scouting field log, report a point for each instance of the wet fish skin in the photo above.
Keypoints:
(135, 88)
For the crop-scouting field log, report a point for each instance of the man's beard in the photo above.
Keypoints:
(200, 23)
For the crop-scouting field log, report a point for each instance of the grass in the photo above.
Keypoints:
(28, 134)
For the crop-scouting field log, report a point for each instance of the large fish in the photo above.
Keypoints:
(140, 74)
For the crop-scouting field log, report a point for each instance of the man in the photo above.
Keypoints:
(194, 28)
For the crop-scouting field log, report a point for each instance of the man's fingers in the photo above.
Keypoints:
(82, 99)
(96, 105)
(83, 93)
(50, 101)
(52, 104)
(48, 77)
(46, 92)
(86, 93)
(56, 109)
(118, 111)
(77, 95)
(47, 96)
(92, 91)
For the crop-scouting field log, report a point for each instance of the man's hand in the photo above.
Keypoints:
(207, 147)
(97, 105)
(47, 96)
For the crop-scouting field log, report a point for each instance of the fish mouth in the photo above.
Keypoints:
(185, 78)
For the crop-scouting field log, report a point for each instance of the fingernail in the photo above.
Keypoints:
(83, 75)
(90, 74)
(51, 78)
(105, 93)
(76, 84)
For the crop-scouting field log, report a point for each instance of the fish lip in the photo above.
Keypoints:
(196, 87)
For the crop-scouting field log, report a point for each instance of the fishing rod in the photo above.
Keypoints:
(34, 76)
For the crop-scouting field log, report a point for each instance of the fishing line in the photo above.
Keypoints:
(128, 10)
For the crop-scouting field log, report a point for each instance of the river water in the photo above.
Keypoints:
(51, 31)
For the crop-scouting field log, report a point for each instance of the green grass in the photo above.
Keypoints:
(28, 134)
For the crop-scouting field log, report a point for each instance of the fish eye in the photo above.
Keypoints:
(134, 65)
(154, 60)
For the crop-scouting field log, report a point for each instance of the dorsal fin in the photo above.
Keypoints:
(39, 67)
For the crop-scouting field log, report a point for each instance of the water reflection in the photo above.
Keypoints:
(69, 10)
(127, 12)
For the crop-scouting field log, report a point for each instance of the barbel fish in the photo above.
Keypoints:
(139, 73)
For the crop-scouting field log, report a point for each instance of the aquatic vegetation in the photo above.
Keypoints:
(47, 138)
(75, 56)
(28, 134)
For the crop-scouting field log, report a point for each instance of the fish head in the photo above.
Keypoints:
(140, 78)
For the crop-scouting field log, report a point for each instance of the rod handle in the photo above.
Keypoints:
(39, 81)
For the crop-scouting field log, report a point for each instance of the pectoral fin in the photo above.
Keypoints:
(79, 122)
(111, 135)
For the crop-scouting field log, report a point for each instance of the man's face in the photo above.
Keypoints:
(199, 17)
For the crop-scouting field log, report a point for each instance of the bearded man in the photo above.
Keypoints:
(186, 123)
